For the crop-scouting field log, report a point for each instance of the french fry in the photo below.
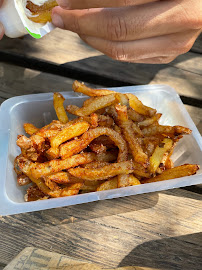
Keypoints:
(68, 133)
(82, 88)
(30, 128)
(58, 101)
(109, 184)
(75, 146)
(34, 194)
(95, 164)
(51, 184)
(169, 163)
(23, 180)
(165, 130)
(98, 148)
(139, 107)
(105, 172)
(133, 181)
(72, 109)
(62, 178)
(156, 158)
(177, 172)
(109, 156)
(126, 125)
(150, 121)
(41, 14)
(37, 170)
(97, 104)
(67, 191)
(122, 99)
(137, 130)
(134, 116)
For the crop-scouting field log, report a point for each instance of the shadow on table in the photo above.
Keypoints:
(88, 211)
(175, 253)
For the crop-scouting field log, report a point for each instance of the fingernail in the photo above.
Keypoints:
(57, 20)
(63, 3)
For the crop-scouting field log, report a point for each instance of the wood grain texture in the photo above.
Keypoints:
(20, 81)
(157, 230)
(184, 74)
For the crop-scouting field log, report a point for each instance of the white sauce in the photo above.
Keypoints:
(38, 2)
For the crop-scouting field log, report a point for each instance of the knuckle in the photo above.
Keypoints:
(116, 28)
(75, 25)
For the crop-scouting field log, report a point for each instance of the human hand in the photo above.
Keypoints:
(1, 26)
(139, 31)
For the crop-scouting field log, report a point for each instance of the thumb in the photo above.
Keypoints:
(58, 15)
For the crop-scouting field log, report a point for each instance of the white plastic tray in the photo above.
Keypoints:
(38, 109)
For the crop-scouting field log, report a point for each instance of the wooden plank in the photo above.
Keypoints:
(147, 230)
(184, 74)
(16, 81)
(20, 81)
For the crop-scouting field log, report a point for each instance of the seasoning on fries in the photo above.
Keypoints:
(114, 141)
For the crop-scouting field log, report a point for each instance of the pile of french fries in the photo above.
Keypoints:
(115, 141)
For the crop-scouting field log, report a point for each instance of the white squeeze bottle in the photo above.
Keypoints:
(11, 20)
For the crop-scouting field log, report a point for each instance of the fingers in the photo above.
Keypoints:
(124, 23)
(151, 50)
(1, 31)
(81, 4)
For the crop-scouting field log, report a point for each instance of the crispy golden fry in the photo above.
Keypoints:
(67, 191)
(133, 181)
(117, 129)
(166, 130)
(126, 125)
(137, 130)
(72, 109)
(89, 188)
(169, 163)
(149, 121)
(106, 141)
(109, 156)
(41, 14)
(34, 194)
(75, 146)
(23, 180)
(82, 88)
(134, 116)
(177, 172)
(30, 128)
(109, 184)
(105, 172)
(68, 133)
(156, 158)
(139, 107)
(58, 101)
(97, 104)
(51, 184)
(37, 170)
(41, 17)
(95, 164)
(98, 148)
(62, 178)
(122, 99)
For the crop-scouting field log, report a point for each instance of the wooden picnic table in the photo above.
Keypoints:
(161, 230)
